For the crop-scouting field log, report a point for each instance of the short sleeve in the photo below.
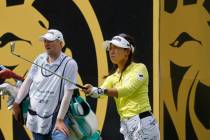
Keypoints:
(71, 72)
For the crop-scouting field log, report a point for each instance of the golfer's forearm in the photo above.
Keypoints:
(112, 92)
(23, 91)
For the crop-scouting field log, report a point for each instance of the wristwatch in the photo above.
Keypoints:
(102, 91)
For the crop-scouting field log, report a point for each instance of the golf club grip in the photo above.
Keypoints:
(80, 86)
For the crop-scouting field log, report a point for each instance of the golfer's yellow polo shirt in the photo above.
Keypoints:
(132, 90)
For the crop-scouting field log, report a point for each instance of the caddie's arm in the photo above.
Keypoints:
(60, 125)
(22, 93)
(71, 74)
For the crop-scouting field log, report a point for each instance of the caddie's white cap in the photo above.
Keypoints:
(52, 35)
(119, 42)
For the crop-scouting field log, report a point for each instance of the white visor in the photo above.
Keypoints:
(119, 42)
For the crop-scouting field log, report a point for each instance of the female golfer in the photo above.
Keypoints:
(128, 84)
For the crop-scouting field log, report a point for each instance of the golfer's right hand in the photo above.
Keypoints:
(92, 91)
(88, 88)
(16, 111)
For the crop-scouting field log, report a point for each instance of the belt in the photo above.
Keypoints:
(145, 114)
(33, 113)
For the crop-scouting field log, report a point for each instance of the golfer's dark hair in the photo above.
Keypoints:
(131, 40)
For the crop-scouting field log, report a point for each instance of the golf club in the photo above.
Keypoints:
(12, 45)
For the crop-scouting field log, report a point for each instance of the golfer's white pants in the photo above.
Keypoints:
(140, 129)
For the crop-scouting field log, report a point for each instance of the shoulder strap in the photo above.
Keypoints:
(61, 87)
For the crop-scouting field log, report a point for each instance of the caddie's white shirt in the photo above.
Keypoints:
(44, 91)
